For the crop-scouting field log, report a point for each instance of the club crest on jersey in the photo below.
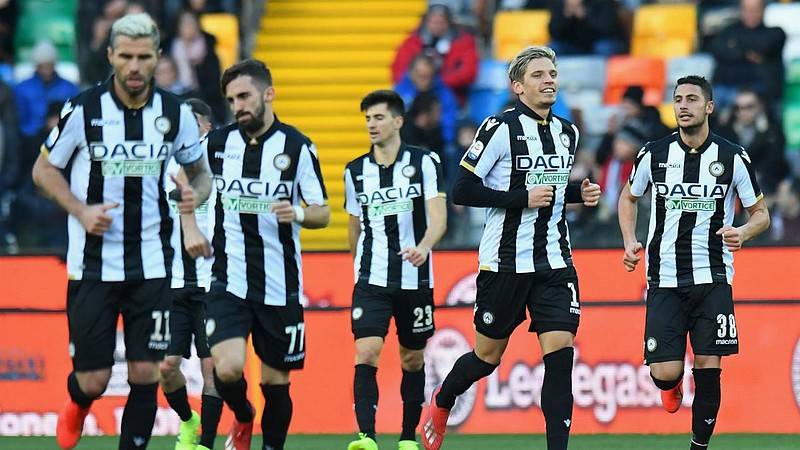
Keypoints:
(282, 161)
(565, 140)
(488, 318)
(408, 171)
(162, 124)
(357, 312)
(716, 168)
(652, 344)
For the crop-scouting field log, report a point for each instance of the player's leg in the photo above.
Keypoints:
(665, 331)
(499, 309)
(279, 341)
(145, 308)
(92, 317)
(371, 311)
(172, 381)
(555, 312)
(228, 323)
(211, 405)
(211, 402)
(713, 335)
(413, 312)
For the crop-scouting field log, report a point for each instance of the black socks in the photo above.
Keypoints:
(412, 391)
(179, 402)
(557, 397)
(707, 398)
(138, 417)
(277, 415)
(666, 385)
(365, 393)
(235, 395)
(466, 371)
(210, 411)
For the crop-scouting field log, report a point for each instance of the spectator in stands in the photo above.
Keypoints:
(422, 126)
(37, 92)
(616, 169)
(9, 164)
(748, 54)
(198, 66)
(585, 27)
(8, 25)
(750, 126)
(786, 217)
(644, 118)
(452, 49)
(166, 77)
(421, 77)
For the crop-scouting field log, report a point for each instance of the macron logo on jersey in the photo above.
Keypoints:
(130, 158)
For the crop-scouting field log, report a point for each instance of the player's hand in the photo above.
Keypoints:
(541, 196)
(632, 258)
(284, 210)
(186, 202)
(732, 237)
(95, 219)
(415, 255)
(590, 193)
(195, 243)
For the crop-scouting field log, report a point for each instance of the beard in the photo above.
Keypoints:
(693, 126)
(136, 92)
(256, 120)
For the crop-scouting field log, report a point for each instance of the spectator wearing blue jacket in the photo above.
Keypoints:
(37, 92)
(422, 77)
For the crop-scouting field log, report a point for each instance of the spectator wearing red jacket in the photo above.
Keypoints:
(453, 50)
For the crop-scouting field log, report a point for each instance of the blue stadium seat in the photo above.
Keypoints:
(577, 73)
(492, 74)
(486, 102)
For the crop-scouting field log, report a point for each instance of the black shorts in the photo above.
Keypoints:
(92, 310)
(187, 318)
(705, 311)
(279, 337)
(412, 309)
(551, 298)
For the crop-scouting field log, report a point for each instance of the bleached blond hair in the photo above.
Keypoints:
(516, 69)
(135, 26)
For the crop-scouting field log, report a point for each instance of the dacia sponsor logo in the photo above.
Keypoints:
(253, 187)
(390, 194)
(130, 158)
(543, 162)
(546, 178)
(684, 204)
(707, 191)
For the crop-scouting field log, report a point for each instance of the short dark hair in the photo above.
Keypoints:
(200, 108)
(394, 102)
(696, 80)
(257, 70)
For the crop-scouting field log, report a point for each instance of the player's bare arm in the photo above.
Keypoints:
(353, 232)
(49, 178)
(757, 223)
(312, 216)
(436, 210)
(627, 210)
(199, 176)
(590, 193)
(194, 240)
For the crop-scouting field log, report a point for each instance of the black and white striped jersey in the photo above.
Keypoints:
(692, 198)
(390, 203)
(187, 271)
(515, 150)
(114, 154)
(255, 257)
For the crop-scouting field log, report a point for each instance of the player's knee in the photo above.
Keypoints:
(168, 369)
(94, 386)
(412, 361)
(229, 372)
(489, 355)
(368, 355)
(666, 373)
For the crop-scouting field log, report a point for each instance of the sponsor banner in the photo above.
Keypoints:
(612, 389)
(761, 274)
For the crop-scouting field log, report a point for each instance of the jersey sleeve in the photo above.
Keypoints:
(66, 137)
(350, 197)
(641, 175)
(433, 181)
(187, 142)
(744, 179)
(309, 176)
(489, 146)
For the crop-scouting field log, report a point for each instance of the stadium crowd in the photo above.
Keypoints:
(441, 70)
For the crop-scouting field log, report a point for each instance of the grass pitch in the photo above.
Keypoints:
(459, 442)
